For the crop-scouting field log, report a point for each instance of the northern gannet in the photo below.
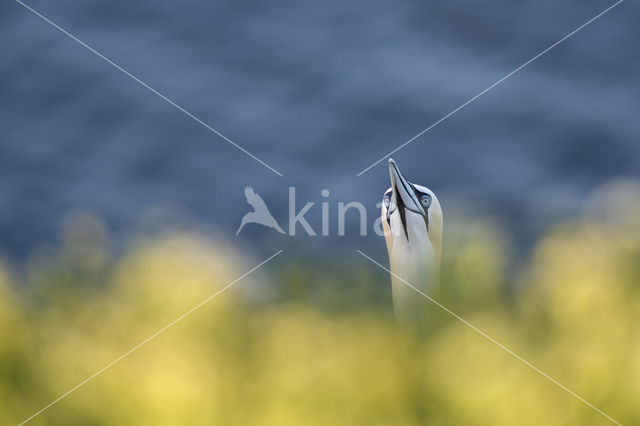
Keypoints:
(412, 223)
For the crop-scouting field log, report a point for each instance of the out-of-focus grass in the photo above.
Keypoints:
(294, 355)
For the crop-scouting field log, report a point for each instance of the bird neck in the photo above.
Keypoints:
(412, 265)
(414, 262)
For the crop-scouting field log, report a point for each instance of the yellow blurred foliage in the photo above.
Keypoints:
(575, 314)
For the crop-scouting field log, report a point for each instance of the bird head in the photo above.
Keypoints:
(411, 216)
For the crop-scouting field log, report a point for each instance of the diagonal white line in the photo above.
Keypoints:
(492, 86)
(491, 339)
(151, 89)
(136, 347)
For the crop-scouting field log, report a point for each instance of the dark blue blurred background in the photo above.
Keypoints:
(319, 90)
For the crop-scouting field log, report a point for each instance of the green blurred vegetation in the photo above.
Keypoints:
(306, 345)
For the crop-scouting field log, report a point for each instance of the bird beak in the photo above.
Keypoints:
(403, 193)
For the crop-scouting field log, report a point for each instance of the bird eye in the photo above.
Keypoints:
(387, 200)
(426, 200)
